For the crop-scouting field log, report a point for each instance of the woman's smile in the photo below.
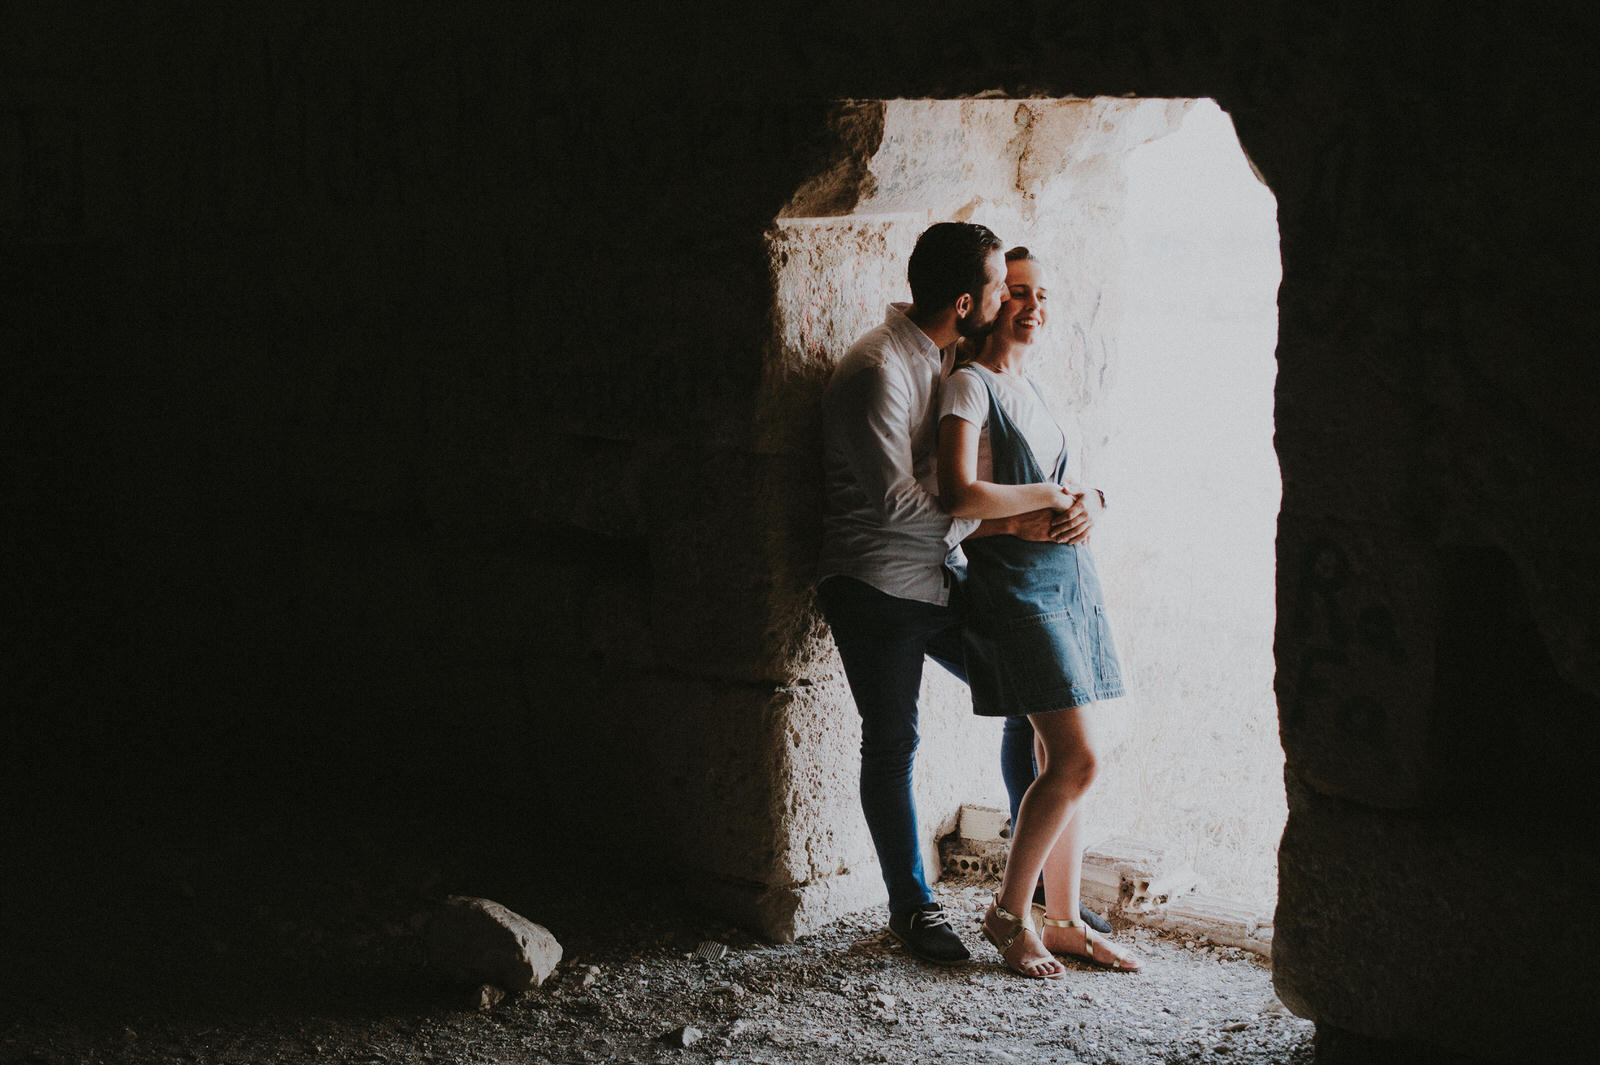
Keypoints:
(1025, 299)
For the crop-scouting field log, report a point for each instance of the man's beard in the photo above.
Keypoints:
(968, 328)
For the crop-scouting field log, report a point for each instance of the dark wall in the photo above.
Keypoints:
(381, 393)
(349, 354)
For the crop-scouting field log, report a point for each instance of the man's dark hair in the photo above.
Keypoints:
(948, 261)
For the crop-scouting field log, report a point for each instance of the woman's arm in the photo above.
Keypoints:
(964, 496)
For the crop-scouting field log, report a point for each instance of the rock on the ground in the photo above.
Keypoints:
(688, 1035)
(476, 941)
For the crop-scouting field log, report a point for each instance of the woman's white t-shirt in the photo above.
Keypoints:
(963, 395)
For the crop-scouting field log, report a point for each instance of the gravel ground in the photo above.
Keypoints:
(631, 993)
(289, 934)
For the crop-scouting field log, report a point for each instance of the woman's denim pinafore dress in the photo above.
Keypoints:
(1036, 634)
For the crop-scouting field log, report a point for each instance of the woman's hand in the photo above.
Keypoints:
(1079, 518)
(1055, 496)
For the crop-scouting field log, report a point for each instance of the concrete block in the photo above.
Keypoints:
(984, 823)
(1131, 875)
(1218, 920)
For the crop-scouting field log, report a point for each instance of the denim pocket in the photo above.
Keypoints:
(1045, 660)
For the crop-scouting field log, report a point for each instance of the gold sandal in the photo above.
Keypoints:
(1003, 943)
(1091, 940)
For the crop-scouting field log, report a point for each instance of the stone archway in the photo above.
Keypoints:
(1048, 173)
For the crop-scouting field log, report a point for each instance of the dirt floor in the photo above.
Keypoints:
(291, 936)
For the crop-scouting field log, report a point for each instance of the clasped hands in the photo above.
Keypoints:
(1067, 522)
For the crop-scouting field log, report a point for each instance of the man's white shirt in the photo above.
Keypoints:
(882, 523)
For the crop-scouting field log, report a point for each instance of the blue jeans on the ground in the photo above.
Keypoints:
(882, 640)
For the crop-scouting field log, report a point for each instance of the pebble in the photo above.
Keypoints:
(686, 1036)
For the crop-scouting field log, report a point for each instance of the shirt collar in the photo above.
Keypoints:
(904, 327)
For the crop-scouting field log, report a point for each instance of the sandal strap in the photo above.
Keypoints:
(1018, 925)
(1091, 940)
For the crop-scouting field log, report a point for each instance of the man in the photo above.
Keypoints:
(885, 576)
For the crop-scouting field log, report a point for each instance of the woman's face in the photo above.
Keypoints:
(1023, 314)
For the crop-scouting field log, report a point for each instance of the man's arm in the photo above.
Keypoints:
(873, 412)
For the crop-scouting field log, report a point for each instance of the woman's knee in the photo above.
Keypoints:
(1083, 766)
(1072, 770)
(1069, 754)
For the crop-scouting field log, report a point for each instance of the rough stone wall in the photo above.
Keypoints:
(383, 392)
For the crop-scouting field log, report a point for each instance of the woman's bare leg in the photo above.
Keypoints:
(1063, 882)
(1066, 769)
(1063, 868)
(1063, 871)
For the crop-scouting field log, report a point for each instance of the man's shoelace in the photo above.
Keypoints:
(930, 918)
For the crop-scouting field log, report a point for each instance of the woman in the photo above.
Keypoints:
(1037, 640)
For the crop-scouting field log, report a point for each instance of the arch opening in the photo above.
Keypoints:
(1160, 362)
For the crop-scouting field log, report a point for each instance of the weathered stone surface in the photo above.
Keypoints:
(476, 941)
(1477, 888)
(1356, 661)
(789, 911)
(982, 824)
(1129, 874)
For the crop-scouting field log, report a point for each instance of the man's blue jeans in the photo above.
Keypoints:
(882, 640)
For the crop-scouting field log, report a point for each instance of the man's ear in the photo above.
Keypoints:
(963, 305)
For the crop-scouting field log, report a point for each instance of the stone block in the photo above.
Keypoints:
(1437, 929)
(832, 280)
(476, 941)
(786, 912)
(698, 768)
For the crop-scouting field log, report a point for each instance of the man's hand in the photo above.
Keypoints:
(1071, 526)
(1052, 526)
